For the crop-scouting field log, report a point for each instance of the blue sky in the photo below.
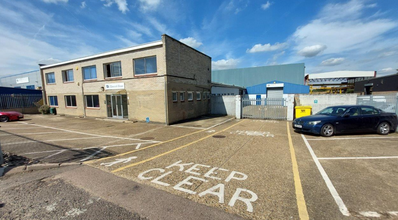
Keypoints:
(325, 35)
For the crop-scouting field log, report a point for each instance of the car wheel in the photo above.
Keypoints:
(327, 130)
(4, 118)
(383, 128)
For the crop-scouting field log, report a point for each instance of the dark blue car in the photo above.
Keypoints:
(347, 119)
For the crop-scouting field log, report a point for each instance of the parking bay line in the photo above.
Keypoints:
(342, 207)
(330, 139)
(157, 144)
(357, 158)
(301, 205)
(95, 135)
(55, 140)
(175, 149)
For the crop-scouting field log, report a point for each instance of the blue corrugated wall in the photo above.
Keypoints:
(8, 90)
(288, 88)
(245, 77)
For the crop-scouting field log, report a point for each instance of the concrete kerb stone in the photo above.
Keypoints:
(33, 167)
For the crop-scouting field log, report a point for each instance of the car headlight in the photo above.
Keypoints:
(314, 122)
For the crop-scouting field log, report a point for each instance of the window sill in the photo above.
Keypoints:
(71, 107)
(90, 80)
(54, 106)
(51, 84)
(113, 78)
(145, 75)
(93, 108)
(190, 100)
(68, 82)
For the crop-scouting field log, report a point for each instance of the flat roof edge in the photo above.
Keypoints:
(141, 46)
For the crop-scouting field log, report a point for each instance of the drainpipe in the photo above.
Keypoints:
(84, 100)
(43, 85)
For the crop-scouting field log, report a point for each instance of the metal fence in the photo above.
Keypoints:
(264, 108)
(387, 103)
(19, 101)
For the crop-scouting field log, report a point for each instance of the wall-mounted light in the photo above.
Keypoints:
(102, 88)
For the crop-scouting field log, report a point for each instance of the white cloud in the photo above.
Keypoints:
(121, 4)
(266, 47)
(83, 5)
(55, 1)
(266, 5)
(224, 64)
(192, 42)
(311, 51)
(388, 70)
(332, 61)
(48, 61)
(149, 5)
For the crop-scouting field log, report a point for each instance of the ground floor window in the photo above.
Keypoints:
(198, 96)
(53, 100)
(70, 101)
(182, 96)
(190, 96)
(92, 101)
(175, 97)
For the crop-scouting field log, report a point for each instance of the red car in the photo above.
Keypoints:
(10, 116)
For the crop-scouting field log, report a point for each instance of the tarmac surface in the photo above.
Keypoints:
(256, 169)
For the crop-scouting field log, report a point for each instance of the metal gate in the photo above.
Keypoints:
(387, 103)
(264, 108)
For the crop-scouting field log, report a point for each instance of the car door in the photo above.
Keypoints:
(369, 118)
(350, 122)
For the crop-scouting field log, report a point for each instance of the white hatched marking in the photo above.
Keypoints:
(92, 155)
(49, 156)
(370, 214)
(68, 139)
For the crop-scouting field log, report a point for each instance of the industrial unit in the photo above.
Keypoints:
(26, 80)
(246, 77)
(164, 81)
(380, 85)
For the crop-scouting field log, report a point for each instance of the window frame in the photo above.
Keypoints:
(92, 101)
(86, 67)
(183, 96)
(71, 102)
(190, 99)
(49, 100)
(66, 76)
(176, 96)
(47, 79)
(106, 70)
(145, 66)
(200, 96)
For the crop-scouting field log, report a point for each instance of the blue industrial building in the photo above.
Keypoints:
(287, 88)
(246, 77)
(26, 80)
(8, 91)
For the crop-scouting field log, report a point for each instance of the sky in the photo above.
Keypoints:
(326, 35)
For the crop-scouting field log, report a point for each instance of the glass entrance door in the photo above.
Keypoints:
(117, 106)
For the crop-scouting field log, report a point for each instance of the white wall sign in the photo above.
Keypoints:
(22, 80)
(202, 173)
(114, 86)
(274, 85)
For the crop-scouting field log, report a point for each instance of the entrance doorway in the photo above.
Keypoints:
(117, 106)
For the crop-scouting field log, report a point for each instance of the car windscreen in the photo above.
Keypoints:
(335, 111)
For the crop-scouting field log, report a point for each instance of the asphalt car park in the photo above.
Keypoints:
(258, 169)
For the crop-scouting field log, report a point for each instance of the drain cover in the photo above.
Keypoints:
(147, 138)
(219, 136)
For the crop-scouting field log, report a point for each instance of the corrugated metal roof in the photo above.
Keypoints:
(342, 74)
(245, 77)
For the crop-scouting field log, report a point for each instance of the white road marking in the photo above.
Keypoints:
(49, 156)
(393, 213)
(38, 133)
(370, 214)
(331, 139)
(133, 135)
(182, 126)
(95, 135)
(220, 123)
(121, 160)
(51, 207)
(357, 158)
(92, 155)
(253, 133)
(343, 209)
(138, 146)
(55, 140)
(85, 148)
(6, 129)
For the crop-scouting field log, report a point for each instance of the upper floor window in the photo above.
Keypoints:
(89, 72)
(113, 69)
(50, 78)
(145, 65)
(53, 100)
(67, 75)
